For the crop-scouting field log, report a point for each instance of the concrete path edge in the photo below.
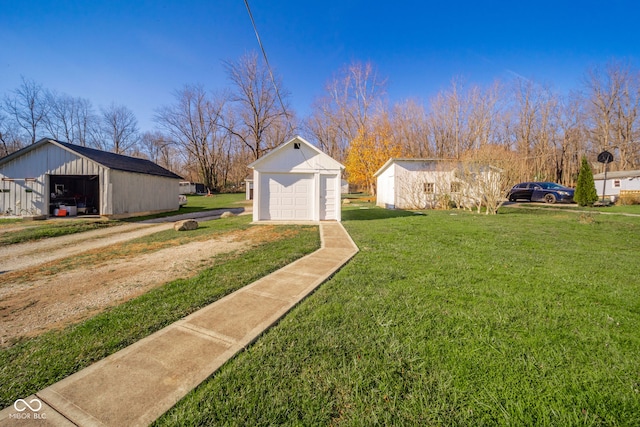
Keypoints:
(138, 384)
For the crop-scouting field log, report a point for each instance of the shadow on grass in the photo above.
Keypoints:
(372, 213)
(201, 203)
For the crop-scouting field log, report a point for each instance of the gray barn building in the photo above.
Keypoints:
(57, 178)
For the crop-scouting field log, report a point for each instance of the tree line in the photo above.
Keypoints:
(528, 130)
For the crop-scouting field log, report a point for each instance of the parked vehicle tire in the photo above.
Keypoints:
(550, 198)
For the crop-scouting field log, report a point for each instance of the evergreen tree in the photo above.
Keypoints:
(586, 189)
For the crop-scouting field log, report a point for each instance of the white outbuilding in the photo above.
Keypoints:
(617, 182)
(429, 183)
(54, 178)
(296, 182)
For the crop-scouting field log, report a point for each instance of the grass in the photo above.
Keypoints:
(529, 317)
(625, 209)
(60, 227)
(52, 229)
(197, 203)
(33, 364)
(134, 247)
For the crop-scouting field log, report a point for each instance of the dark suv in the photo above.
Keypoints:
(548, 192)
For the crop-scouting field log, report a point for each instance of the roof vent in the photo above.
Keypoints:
(296, 145)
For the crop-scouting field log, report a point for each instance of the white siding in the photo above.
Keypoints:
(385, 186)
(23, 195)
(135, 193)
(301, 161)
(329, 203)
(63, 162)
(610, 190)
(421, 184)
(411, 179)
(121, 193)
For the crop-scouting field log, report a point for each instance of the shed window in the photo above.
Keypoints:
(456, 187)
(616, 183)
(428, 187)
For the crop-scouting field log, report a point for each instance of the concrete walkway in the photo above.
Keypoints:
(136, 385)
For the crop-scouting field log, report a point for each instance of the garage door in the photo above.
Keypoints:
(286, 197)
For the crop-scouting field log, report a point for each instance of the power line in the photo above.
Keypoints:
(266, 60)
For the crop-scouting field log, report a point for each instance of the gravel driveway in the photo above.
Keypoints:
(34, 300)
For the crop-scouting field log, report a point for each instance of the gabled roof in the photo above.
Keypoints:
(408, 159)
(104, 158)
(618, 174)
(297, 139)
(453, 163)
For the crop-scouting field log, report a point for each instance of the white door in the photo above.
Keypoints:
(328, 197)
(286, 197)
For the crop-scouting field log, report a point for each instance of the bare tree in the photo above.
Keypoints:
(536, 127)
(449, 122)
(491, 170)
(627, 120)
(158, 148)
(352, 98)
(613, 95)
(321, 126)
(411, 128)
(195, 124)
(28, 106)
(572, 142)
(481, 185)
(256, 106)
(70, 119)
(10, 140)
(423, 186)
(118, 130)
(484, 113)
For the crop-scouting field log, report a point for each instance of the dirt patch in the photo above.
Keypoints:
(37, 299)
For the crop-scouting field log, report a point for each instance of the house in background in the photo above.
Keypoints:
(248, 188)
(52, 177)
(430, 183)
(617, 181)
(186, 187)
(344, 186)
(296, 181)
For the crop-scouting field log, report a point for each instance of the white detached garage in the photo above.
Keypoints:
(296, 182)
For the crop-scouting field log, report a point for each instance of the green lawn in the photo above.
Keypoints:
(33, 364)
(36, 230)
(529, 317)
(197, 203)
(617, 209)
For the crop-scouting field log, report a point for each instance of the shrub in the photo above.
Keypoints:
(629, 198)
(586, 189)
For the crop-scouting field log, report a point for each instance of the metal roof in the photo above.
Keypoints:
(104, 158)
(618, 174)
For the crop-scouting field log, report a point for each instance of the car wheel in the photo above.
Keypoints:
(550, 198)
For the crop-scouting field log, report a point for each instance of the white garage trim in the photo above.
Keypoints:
(328, 188)
(296, 182)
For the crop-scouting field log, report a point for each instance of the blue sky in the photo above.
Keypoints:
(137, 53)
